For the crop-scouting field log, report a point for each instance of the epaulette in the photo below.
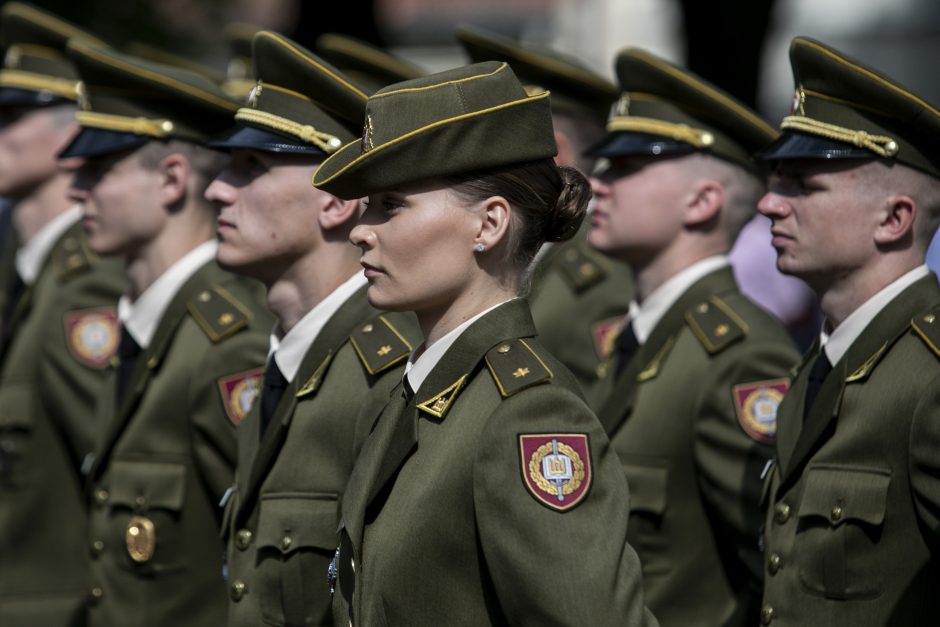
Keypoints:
(581, 270)
(715, 325)
(515, 367)
(379, 345)
(927, 326)
(219, 313)
(72, 257)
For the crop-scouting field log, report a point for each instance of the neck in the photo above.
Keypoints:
(179, 237)
(310, 280)
(39, 208)
(840, 297)
(437, 322)
(650, 275)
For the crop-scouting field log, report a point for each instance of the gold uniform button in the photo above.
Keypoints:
(140, 501)
(352, 564)
(782, 513)
(242, 539)
(239, 588)
(97, 548)
(774, 562)
(836, 513)
(102, 496)
(286, 541)
(766, 615)
(505, 348)
(96, 594)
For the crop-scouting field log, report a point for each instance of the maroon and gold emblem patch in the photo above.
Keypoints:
(756, 404)
(556, 468)
(239, 392)
(604, 333)
(92, 335)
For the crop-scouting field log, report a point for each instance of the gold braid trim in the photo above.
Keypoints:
(324, 141)
(37, 82)
(125, 124)
(881, 145)
(682, 132)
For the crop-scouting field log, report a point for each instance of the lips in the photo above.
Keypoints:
(371, 271)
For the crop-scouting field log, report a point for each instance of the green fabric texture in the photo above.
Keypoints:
(461, 120)
(572, 84)
(366, 64)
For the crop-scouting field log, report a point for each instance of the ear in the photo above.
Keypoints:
(175, 175)
(494, 222)
(335, 212)
(566, 153)
(705, 200)
(897, 221)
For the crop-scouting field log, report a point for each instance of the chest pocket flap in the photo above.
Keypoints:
(298, 522)
(840, 493)
(647, 487)
(148, 485)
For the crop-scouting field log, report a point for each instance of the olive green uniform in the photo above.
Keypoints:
(282, 517)
(167, 455)
(853, 507)
(691, 463)
(49, 381)
(578, 296)
(439, 524)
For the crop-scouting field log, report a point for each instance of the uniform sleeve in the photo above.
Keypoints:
(732, 445)
(214, 441)
(552, 567)
(925, 462)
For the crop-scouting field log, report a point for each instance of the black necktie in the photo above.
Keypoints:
(625, 348)
(128, 350)
(406, 391)
(271, 392)
(821, 368)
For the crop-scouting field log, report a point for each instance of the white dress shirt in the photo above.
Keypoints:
(32, 254)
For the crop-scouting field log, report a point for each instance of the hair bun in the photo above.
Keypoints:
(570, 208)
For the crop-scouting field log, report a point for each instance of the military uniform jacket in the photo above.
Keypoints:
(442, 520)
(281, 520)
(854, 500)
(578, 298)
(690, 418)
(52, 368)
(166, 456)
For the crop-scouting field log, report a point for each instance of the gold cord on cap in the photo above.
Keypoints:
(681, 132)
(881, 145)
(324, 141)
(37, 82)
(124, 124)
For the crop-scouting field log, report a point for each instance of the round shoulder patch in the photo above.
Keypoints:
(239, 392)
(556, 468)
(756, 405)
(92, 335)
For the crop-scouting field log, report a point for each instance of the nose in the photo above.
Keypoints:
(772, 205)
(362, 236)
(599, 187)
(220, 192)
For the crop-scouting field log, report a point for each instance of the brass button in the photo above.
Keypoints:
(286, 541)
(242, 539)
(140, 500)
(239, 588)
(766, 615)
(101, 496)
(782, 513)
(97, 548)
(352, 564)
(773, 563)
(205, 296)
(837, 513)
(505, 348)
(367, 329)
(96, 593)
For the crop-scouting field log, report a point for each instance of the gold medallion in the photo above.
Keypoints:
(141, 539)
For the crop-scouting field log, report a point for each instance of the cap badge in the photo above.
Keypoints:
(254, 94)
(796, 107)
(367, 132)
(556, 468)
(12, 58)
(622, 106)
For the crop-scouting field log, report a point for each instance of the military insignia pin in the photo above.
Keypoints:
(92, 335)
(556, 468)
(756, 405)
(239, 392)
(141, 539)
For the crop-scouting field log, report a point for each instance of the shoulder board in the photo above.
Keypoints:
(715, 325)
(379, 345)
(581, 270)
(927, 326)
(72, 257)
(515, 367)
(219, 313)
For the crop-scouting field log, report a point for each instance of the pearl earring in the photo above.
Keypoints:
(479, 248)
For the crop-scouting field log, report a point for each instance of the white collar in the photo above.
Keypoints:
(417, 370)
(837, 343)
(31, 255)
(141, 317)
(289, 351)
(645, 317)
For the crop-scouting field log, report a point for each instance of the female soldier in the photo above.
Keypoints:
(487, 493)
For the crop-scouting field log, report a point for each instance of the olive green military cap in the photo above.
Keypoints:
(36, 70)
(153, 53)
(130, 101)
(574, 87)
(843, 109)
(466, 119)
(240, 72)
(368, 65)
(300, 103)
(666, 110)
